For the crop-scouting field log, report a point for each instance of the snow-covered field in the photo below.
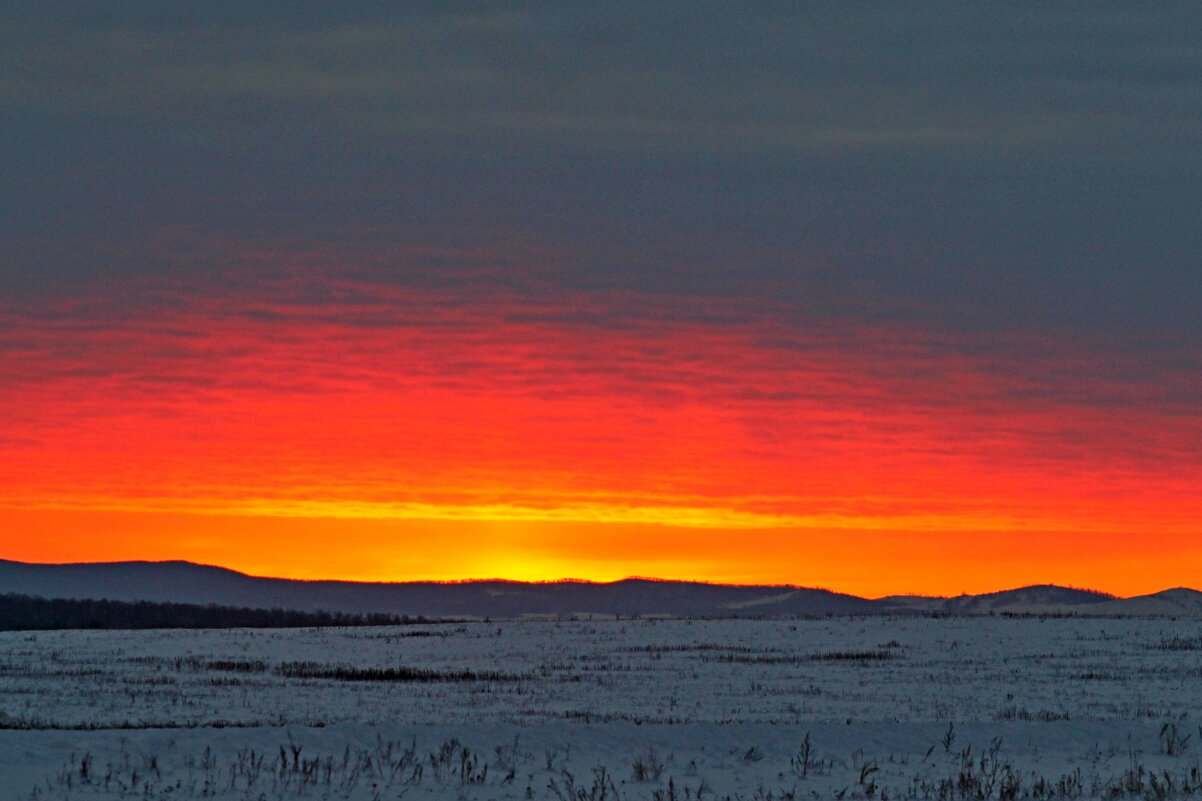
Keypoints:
(625, 709)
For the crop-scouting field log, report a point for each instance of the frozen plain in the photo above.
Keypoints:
(890, 707)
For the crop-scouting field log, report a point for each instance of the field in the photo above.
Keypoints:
(665, 710)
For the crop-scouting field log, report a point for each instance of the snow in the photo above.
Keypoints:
(890, 706)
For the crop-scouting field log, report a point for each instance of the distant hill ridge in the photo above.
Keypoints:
(189, 583)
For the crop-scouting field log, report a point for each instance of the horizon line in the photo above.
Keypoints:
(576, 580)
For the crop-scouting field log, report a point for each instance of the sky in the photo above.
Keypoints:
(870, 296)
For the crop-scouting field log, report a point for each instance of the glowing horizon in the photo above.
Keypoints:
(809, 296)
(518, 432)
(530, 570)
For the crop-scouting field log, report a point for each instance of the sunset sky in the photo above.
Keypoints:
(878, 297)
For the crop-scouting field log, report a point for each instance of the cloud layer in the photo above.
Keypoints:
(929, 271)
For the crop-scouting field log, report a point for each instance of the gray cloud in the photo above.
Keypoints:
(697, 77)
(953, 165)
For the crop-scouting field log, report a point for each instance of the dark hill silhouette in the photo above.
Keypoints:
(1177, 602)
(188, 583)
(184, 582)
(1035, 599)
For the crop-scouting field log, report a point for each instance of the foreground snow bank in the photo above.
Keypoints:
(591, 762)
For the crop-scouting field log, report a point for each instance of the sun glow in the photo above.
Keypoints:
(416, 437)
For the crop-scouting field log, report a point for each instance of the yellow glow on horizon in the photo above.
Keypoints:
(667, 514)
(864, 562)
(465, 441)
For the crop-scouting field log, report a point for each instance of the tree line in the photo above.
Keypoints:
(31, 613)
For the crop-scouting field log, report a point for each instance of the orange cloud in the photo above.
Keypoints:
(598, 435)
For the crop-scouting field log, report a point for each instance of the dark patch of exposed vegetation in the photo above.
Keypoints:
(739, 658)
(688, 648)
(854, 656)
(30, 613)
(756, 659)
(648, 767)
(1013, 712)
(10, 723)
(1178, 643)
(237, 665)
(1173, 742)
(395, 635)
(314, 670)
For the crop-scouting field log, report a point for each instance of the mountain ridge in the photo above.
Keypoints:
(178, 581)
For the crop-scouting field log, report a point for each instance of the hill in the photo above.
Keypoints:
(188, 583)
(1039, 599)
(1177, 602)
(184, 582)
